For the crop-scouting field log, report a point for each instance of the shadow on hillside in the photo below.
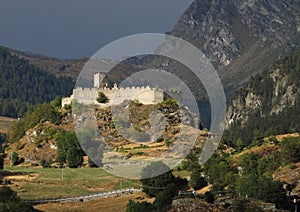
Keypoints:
(4, 174)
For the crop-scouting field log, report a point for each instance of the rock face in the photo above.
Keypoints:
(241, 37)
(252, 98)
(221, 204)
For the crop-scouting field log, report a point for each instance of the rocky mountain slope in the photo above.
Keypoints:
(269, 103)
(241, 37)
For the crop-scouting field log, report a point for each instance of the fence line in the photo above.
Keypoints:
(107, 194)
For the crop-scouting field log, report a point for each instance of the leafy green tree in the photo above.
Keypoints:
(14, 157)
(209, 197)
(69, 149)
(250, 163)
(102, 98)
(216, 170)
(257, 138)
(197, 181)
(34, 115)
(138, 206)
(264, 189)
(268, 165)
(153, 185)
(191, 162)
(240, 145)
(17, 131)
(56, 103)
(165, 197)
(74, 157)
(290, 150)
(9, 201)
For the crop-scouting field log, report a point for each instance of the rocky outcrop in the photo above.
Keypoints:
(241, 37)
(220, 205)
(265, 95)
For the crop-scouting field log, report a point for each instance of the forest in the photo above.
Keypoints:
(23, 85)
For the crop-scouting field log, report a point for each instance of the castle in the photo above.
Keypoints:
(145, 95)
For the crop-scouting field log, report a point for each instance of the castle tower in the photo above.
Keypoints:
(100, 80)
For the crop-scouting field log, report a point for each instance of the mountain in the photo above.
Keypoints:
(58, 67)
(23, 84)
(269, 104)
(241, 37)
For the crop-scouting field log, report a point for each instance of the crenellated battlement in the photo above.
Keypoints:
(116, 95)
(129, 88)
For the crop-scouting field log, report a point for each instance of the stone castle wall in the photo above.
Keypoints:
(144, 95)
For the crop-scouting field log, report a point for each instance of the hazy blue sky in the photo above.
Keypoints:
(78, 28)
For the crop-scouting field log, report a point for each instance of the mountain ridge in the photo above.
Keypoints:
(241, 38)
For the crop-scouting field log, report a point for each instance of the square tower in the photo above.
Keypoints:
(100, 80)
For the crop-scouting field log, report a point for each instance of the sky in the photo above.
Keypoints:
(79, 28)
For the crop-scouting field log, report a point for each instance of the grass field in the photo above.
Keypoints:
(37, 183)
(107, 204)
(5, 123)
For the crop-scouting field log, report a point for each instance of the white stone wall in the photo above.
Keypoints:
(67, 101)
(86, 95)
(144, 95)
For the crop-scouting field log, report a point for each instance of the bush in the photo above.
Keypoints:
(209, 197)
(197, 181)
(45, 164)
(102, 98)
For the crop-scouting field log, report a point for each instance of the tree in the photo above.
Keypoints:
(290, 150)
(153, 185)
(138, 206)
(45, 164)
(14, 157)
(216, 170)
(68, 149)
(257, 138)
(56, 103)
(102, 98)
(250, 163)
(209, 197)
(6, 194)
(1, 161)
(74, 157)
(9, 201)
(197, 181)
(164, 198)
(239, 145)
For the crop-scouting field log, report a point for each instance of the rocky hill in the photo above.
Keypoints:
(40, 139)
(241, 37)
(270, 101)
